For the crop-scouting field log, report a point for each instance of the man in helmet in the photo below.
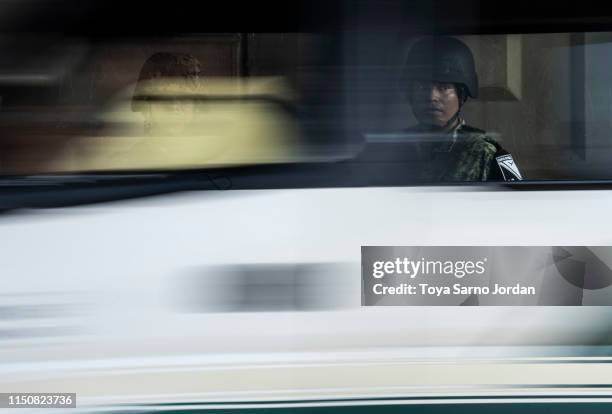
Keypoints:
(441, 76)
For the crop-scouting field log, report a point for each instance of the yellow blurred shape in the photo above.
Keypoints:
(178, 125)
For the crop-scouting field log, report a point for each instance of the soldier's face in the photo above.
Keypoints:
(434, 103)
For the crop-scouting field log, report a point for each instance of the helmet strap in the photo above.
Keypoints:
(452, 122)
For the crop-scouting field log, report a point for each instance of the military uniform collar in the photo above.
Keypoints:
(453, 135)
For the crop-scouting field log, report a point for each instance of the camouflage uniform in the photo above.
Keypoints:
(468, 155)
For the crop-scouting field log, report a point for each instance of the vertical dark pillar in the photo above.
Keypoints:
(577, 90)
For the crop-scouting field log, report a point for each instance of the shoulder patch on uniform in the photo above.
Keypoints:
(508, 167)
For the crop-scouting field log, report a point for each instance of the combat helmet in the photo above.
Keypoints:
(442, 59)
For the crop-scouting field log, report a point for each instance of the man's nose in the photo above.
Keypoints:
(434, 94)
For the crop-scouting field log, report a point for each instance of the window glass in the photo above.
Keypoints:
(365, 108)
